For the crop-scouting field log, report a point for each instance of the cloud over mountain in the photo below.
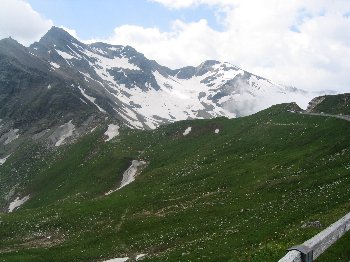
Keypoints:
(20, 21)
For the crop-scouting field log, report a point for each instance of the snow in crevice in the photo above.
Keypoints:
(138, 257)
(130, 117)
(118, 259)
(65, 55)
(124, 259)
(82, 100)
(54, 65)
(75, 53)
(11, 136)
(112, 132)
(3, 160)
(187, 131)
(17, 203)
(129, 175)
(91, 99)
(115, 48)
(92, 130)
(88, 76)
(64, 131)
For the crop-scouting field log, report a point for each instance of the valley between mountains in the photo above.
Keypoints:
(105, 155)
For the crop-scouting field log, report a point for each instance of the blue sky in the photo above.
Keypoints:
(301, 43)
(98, 18)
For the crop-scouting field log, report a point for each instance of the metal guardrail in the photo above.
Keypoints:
(314, 247)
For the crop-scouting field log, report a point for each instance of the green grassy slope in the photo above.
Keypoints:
(240, 195)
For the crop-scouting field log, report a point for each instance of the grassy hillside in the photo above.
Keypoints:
(242, 194)
(336, 104)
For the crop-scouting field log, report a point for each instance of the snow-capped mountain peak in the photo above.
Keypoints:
(144, 94)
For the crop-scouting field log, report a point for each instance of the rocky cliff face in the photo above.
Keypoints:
(330, 104)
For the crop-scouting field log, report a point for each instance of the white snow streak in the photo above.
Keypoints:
(65, 55)
(11, 136)
(102, 64)
(54, 65)
(129, 175)
(91, 99)
(112, 132)
(17, 203)
(67, 131)
(140, 256)
(187, 131)
(3, 160)
(120, 259)
(123, 259)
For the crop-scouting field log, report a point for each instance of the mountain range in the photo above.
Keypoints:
(61, 74)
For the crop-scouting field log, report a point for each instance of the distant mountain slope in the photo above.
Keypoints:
(144, 94)
(331, 104)
(36, 101)
(59, 83)
(61, 79)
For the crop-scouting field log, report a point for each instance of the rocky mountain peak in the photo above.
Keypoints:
(57, 35)
(10, 45)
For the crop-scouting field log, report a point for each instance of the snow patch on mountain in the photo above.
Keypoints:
(65, 55)
(10, 136)
(64, 131)
(3, 160)
(17, 203)
(112, 132)
(54, 65)
(129, 175)
(103, 64)
(118, 259)
(129, 116)
(176, 99)
(187, 131)
(124, 259)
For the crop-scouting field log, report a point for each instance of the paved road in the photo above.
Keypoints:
(344, 117)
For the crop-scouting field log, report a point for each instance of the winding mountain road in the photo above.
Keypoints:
(344, 117)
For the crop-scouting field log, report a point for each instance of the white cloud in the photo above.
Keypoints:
(301, 43)
(20, 21)
(177, 4)
(180, 46)
(70, 31)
